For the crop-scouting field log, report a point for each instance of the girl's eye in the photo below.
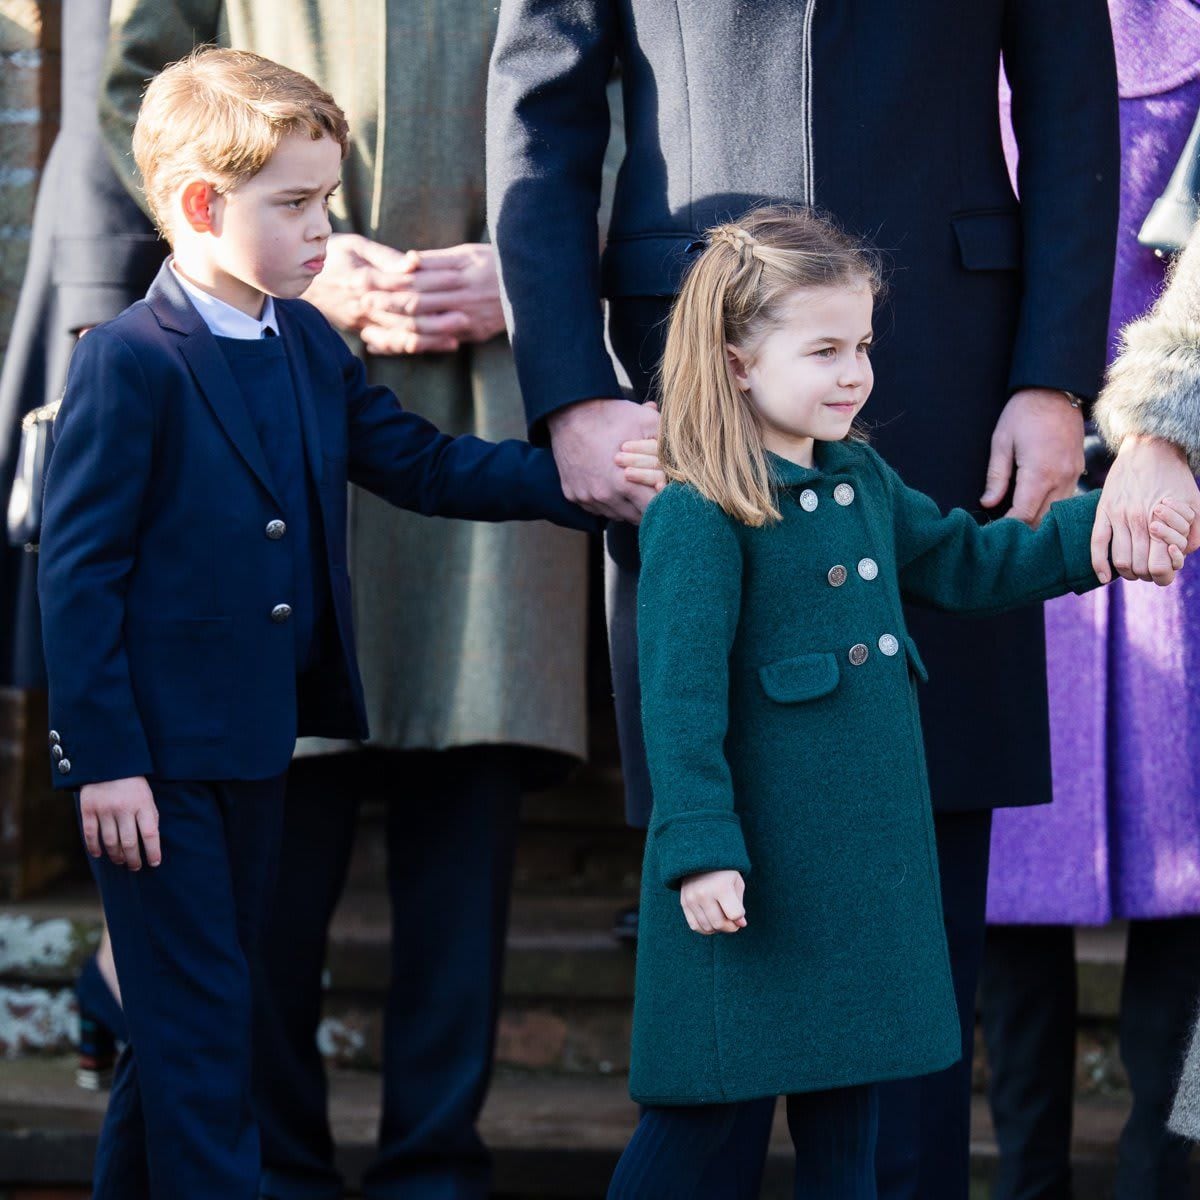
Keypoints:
(866, 348)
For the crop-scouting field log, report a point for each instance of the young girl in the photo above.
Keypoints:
(791, 808)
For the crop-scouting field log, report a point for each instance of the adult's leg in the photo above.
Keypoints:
(290, 1090)
(1028, 1004)
(452, 827)
(637, 331)
(184, 939)
(924, 1148)
(834, 1133)
(1158, 1003)
(695, 1152)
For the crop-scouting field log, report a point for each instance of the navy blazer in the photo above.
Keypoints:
(157, 578)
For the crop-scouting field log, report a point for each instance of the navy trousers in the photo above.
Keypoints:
(451, 836)
(717, 1151)
(925, 1123)
(186, 936)
(1029, 1002)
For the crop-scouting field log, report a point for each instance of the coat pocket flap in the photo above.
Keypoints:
(914, 660)
(988, 241)
(805, 677)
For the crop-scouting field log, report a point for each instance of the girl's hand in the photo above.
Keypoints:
(640, 462)
(1170, 522)
(712, 902)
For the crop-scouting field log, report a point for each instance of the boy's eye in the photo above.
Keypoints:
(826, 352)
(293, 203)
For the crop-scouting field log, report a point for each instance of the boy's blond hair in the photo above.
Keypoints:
(736, 293)
(219, 115)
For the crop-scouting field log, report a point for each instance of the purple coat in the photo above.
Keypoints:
(1122, 838)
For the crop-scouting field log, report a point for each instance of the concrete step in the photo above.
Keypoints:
(553, 1137)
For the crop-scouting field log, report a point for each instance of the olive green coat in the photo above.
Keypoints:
(468, 633)
(784, 742)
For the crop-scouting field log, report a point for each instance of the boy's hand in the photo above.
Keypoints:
(640, 462)
(114, 814)
(712, 902)
(1170, 523)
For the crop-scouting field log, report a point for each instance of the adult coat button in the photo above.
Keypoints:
(56, 753)
(54, 738)
(858, 655)
(809, 500)
(64, 766)
(868, 569)
(275, 530)
(280, 613)
(843, 494)
(837, 576)
(888, 645)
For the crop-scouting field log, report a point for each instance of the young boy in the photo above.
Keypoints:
(194, 590)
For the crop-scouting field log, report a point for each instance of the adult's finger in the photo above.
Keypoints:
(90, 825)
(652, 477)
(999, 470)
(1030, 497)
(147, 822)
(1139, 532)
(1101, 539)
(444, 257)
(111, 838)
(1122, 550)
(379, 340)
(127, 832)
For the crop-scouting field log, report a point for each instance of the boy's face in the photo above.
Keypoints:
(268, 234)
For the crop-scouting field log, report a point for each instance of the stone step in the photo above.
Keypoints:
(553, 1138)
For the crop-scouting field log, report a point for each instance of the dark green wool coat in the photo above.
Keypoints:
(781, 724)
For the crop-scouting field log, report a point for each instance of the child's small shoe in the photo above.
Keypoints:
(101, 1027)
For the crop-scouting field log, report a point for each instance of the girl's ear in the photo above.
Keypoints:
(739, 364)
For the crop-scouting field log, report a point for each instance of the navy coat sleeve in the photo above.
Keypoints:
(96, 487)
(407, 461)
(547, 130)
(1060, 62)
(949, 561)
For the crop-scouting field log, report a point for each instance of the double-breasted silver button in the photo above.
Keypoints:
(858, 655)
(64, 766)
(837, 575)
(56, 753)
(275, 529)
(843, 494)
(280, 613)
(809, 500)
(54, 738)
(868, 568)
(888, 645)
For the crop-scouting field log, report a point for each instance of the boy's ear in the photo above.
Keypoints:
(738, 365)
(199, 204)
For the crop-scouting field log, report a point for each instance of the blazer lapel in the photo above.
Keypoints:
(211, 370)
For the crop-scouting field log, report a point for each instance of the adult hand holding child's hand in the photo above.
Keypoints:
(114, 814)
(712, 902)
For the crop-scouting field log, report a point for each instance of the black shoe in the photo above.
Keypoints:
(101, 1027)
(625, 926)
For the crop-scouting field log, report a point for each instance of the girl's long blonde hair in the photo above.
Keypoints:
(734, 294)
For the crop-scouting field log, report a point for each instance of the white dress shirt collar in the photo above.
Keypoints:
(223, 320)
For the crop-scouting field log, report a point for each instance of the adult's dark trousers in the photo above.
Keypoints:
(451, 821)
(925, 1123)
(1029, 1005)
(637, 330)
(717, 1151)
(186, 935)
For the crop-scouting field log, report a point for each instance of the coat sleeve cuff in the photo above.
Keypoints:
(696, 842)
(1074, 520)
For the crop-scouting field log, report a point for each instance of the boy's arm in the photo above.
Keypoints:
(953, 563)
(405, 459)
(689, 597)
(95, 489)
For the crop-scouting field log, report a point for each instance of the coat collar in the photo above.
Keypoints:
(830, 459)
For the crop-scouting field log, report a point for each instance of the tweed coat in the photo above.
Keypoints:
(92, 253)
(783, 736)
(887, 116)
(1122, 838)
(467, 634)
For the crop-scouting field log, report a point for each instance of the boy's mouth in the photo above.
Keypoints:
(314, 264)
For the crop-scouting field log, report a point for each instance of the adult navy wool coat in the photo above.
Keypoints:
(163, 570)
(782, 734)
(886, 115)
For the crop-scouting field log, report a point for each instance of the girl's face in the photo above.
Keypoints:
(809, 376)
